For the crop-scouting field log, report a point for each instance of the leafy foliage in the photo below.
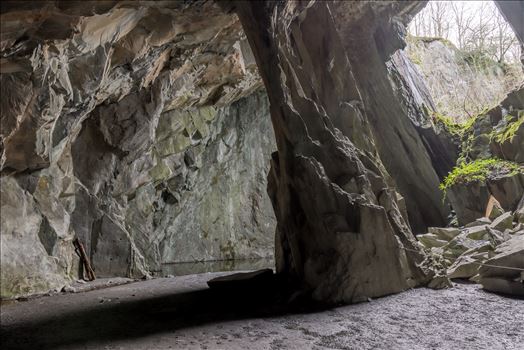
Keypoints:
(454, 128)
(480, 170)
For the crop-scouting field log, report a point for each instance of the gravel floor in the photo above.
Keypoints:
(181, 313)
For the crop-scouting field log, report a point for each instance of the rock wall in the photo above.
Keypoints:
(369, 42)
(139, 128)
(418, 105)
(498, 135)
(461, 84)
(135, 126)
(341, 230)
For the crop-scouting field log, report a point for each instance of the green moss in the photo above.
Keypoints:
(415, 58)
(509, 131)
(480, 61)
(454, 128)
(429, 39)
(480, 170)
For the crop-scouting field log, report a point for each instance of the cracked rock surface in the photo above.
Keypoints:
(341, 229)
(138, 127)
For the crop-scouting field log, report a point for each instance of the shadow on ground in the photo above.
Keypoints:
(149, 316)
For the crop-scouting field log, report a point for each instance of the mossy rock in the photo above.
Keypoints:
(469, 198)
(480, 170)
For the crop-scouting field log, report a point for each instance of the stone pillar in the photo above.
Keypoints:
(340, 228)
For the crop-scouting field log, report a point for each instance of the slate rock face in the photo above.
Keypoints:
(410, 157)
(335, 205)
(26, 266)
(418, 105)
(139, 128)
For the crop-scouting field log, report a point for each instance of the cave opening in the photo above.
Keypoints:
(337, 157)
(463, 65)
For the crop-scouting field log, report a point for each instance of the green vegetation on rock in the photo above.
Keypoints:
(429, 39)
(509, 131)
(480, 170)
(454, 128)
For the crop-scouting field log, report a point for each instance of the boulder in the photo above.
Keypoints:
(518, 232)
(485, 247)
(503, 272)
(503, 222)
(476, 232)
(493, 209)
(440, 282)
(515, 229)
(465, 267)
(519, 212)
(444, 233)
(479, 222)
(496, 236)
(460, 244)
(469, 262)
(469, 199)
(503, 285)
(430, 240)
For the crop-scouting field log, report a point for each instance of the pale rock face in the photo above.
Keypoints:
(26, 266)
(460, 87)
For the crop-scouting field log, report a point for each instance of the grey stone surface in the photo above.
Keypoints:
(142, 132)
(140, 129)
(334, 198)
(503, 222)
(506, 264)
(431, 240)
(155, 314)
(26, 266)
(445, 233)
(479, 222)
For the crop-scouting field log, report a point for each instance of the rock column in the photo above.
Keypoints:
(340, 227)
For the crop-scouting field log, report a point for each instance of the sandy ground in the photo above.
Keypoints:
(181, 313)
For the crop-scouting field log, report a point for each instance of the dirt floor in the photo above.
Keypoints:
(182, 313)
